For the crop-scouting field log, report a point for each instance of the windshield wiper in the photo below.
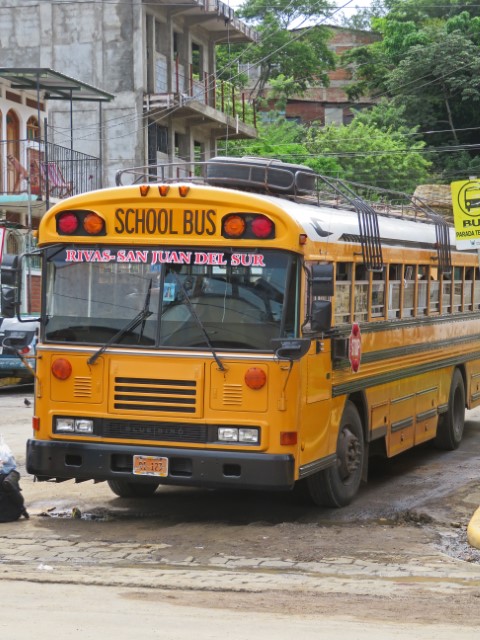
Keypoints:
(220, 364)
(132, 324)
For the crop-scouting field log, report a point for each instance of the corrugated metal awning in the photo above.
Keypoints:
(53, 85)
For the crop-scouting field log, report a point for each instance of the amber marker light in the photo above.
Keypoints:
(288, 438)
(183, 190)
(255, 378)
(234, 226)
(61, 368)
(93, 224)
(163, 190)
(144, 189)
(302, 238)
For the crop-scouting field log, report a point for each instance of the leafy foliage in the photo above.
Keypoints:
(370, 155)
(288, 47)
(368, 150)
(428, 61)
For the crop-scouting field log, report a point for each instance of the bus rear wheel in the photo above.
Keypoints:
(126, 489)
(451, 424)
(339, 484)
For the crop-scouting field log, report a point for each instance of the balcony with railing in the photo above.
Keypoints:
(192, 95)
(39, 170)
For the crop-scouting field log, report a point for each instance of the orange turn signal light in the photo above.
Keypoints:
(288, 437)
(93, 224)
(144, 189)
(61, 368)
(183, 190)
(163, 189)
(255, 378)
(234, 226)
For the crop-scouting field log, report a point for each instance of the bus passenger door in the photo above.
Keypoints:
(316, 406)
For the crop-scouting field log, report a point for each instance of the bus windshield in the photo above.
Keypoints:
(143, 297)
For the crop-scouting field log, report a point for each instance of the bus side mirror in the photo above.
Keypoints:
(9, 285)
(321, 316)
(291, 348)
(8, 299)
(321, 279)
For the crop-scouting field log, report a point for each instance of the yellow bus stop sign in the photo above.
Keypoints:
(466, 213)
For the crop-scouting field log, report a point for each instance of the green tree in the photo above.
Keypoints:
(369, 155)
(428, 60)
(277, 138)
(367, 151)
(289, 45)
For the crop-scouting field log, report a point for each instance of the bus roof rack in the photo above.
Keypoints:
(302, 184)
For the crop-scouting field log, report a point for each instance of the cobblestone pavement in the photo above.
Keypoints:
(52, 559)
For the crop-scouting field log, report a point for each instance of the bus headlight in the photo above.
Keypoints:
(73, 425)
(239, 434)
(64, 425)
(248, 435)
(83, 426)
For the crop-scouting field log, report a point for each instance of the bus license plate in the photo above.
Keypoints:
(150, 466)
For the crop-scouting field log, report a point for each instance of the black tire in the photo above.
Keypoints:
(126, 489)
(451, 424)
(339, 484)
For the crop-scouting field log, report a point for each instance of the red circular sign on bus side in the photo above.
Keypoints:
(355, 347)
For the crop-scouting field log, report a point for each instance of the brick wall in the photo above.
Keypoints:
(34, 296)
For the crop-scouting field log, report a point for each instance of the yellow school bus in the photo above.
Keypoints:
(249, 325)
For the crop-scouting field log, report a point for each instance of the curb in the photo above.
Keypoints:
(473, 530)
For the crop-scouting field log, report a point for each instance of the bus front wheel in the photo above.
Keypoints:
(450, 424)
(338, 485)
(126, 489)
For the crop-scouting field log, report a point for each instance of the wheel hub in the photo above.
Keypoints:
(349, 453)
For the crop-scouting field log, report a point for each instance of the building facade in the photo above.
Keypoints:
(330, 104)
(156, 57)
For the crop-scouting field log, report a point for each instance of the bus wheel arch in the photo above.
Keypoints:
(451, 423)
(337, 485)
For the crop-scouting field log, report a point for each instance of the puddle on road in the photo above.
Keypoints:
(76, 514)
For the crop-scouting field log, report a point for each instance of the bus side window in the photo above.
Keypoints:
(409, 280)
(476, 290)
(434, 301)
(378, 294)
(422, 290)
(394, 286)
(468, 290)
(343, 292)
(446, 293)
(360, 311)
(458, 276)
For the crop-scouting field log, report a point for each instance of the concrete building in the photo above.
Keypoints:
(156, 57)
(326, 105)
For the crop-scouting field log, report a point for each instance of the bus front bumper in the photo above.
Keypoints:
(48, 460)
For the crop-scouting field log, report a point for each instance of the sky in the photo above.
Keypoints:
(351, 7)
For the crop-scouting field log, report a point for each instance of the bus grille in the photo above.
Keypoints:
(159, 431)
(150, 394)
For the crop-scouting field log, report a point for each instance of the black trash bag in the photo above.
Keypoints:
(12, 504)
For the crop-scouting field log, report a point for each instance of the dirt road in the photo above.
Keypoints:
(395, 564)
